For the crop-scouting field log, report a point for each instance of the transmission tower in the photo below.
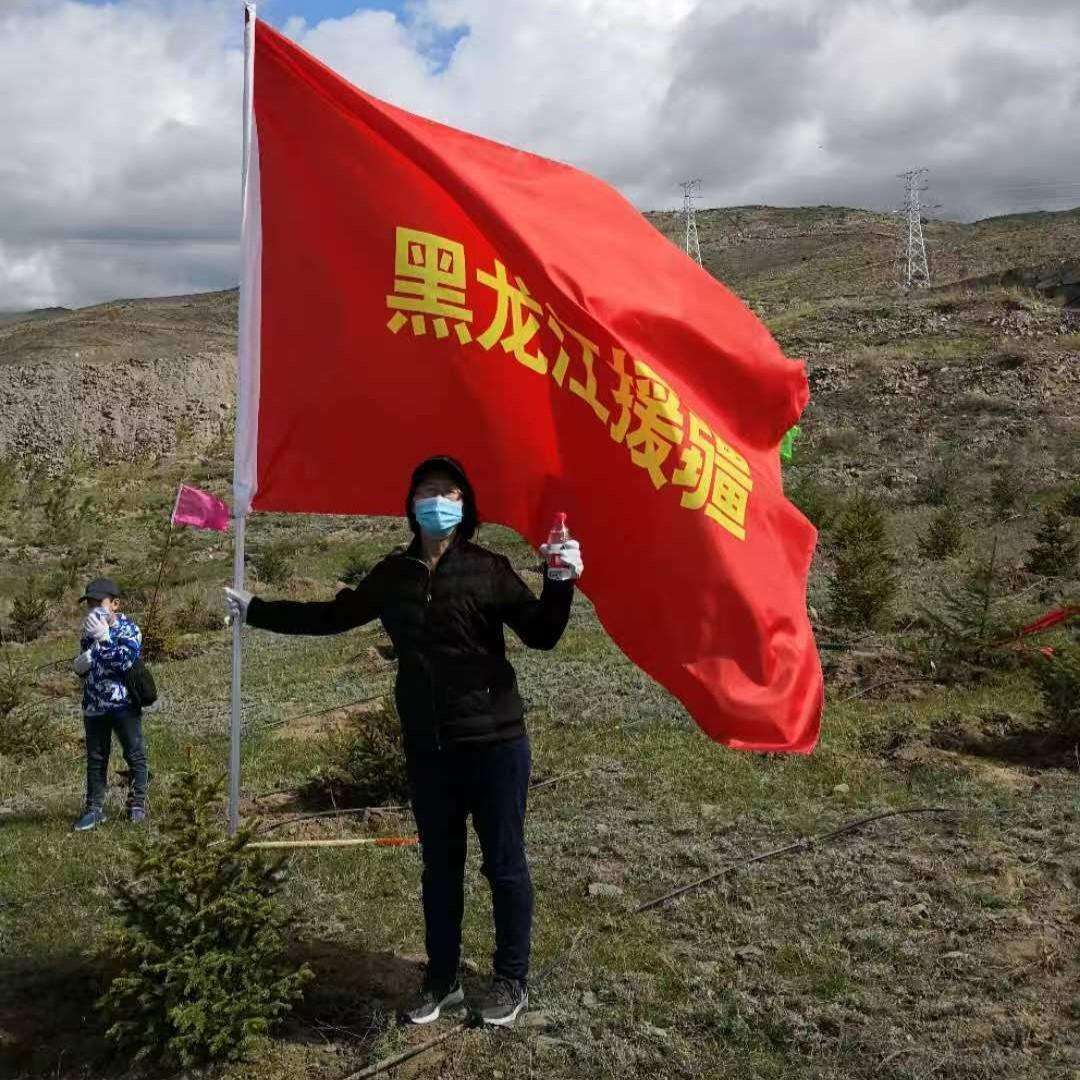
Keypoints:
(914, 271)
(693, 248)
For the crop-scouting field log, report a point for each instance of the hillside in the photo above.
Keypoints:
(943, 944)
(136, 369)
(117, 378)
(776, 257)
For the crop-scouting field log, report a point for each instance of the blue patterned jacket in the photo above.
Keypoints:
(104, 691)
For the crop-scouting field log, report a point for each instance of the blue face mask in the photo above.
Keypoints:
(438, 516)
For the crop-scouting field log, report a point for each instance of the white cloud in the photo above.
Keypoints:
(121, 131)
(121, 122)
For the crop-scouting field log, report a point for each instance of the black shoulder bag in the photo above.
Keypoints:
(141, 688)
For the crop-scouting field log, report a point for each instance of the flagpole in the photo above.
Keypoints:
(240, 510)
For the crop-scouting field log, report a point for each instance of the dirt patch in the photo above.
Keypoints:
(47, 1017)
(1004, 737)
(317, 725)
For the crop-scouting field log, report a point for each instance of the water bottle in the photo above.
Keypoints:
(557, 569)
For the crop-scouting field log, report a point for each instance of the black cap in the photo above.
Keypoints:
(456, 471)
(99, 589)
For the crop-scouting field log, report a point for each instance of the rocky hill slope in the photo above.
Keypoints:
(117, 379)
(986, 358)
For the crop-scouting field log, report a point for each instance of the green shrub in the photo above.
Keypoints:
(201, 946)
(1070, 501)
(1059, 681)
(53, 585)
(863, 583)
(12, 688)
(355, 568)
(1054, 552)
(194, 615)
(9, 480)
(159, 635)
(272, 563)
(166, 563)
(29, 612)
(1006, 489)
(818, 503)
(366, 764)
(966, 622)
(65, 513)
(26, 732)
(944, 536)
(941, 481)
(35, 473)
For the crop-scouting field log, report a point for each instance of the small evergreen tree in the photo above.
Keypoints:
(1054, 552)
(941, 481)
(1006, 489)
(9, 479)
(817, 502)
(863, 583)
(970, 620)
(202, 946)
(29, 612)
(1059, 680)
(12, 683)
(1070, 501)
(367, 763)
(944, 535)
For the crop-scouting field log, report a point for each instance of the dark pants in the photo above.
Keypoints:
(99, 730)
(491, 783)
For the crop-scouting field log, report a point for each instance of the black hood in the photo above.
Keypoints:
(452, 467)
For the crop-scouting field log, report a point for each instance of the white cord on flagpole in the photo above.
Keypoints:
(240, 518)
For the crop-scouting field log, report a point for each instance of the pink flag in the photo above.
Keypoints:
(200, 509)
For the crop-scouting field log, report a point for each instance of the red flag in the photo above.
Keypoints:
(410, 289)
(200, 509)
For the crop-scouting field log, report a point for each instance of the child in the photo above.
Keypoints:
(111, 644)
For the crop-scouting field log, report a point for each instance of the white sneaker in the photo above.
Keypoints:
(432, 1000)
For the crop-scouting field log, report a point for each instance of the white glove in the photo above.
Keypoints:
(82, 663)
(96, 625)
(570, 553)
(237, 600)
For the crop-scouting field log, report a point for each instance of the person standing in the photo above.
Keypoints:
(111, 643)
(444, 601)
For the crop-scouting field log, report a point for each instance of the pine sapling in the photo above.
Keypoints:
(944, 535)
(863, 583)
(1070, 501)
(1059, 680)
(367, 763)
(1006, 489)
(1055, 551)
(970, 620)
(201, 944)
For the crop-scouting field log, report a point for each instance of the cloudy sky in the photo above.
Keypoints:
(121, 120)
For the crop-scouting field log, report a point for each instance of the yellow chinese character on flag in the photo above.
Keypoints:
(656, 407)
(718, 477)
(513, 305)
(585, 390)
(429, 280)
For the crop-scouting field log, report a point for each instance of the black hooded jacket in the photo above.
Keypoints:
(454, 683)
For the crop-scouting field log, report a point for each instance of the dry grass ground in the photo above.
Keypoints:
(937, 946)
